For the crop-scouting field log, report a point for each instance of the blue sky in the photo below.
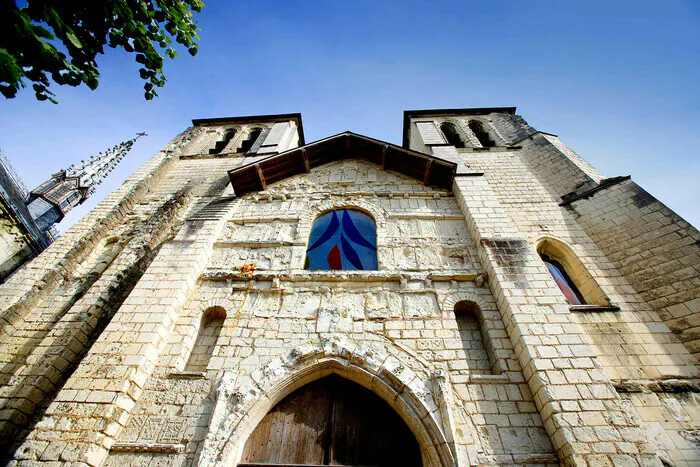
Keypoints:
(616, 80)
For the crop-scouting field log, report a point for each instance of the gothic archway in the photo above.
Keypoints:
(420, 396)
(331, 421)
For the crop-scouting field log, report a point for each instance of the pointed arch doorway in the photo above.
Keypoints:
(332, 421)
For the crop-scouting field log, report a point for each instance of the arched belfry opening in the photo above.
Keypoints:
(332, 421)
(220, 145)
(450, 131)
(248, 143)
(481, 134)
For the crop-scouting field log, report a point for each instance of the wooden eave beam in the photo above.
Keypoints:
(305, 156)
(261, 176)
(427, 171)
(277, 167)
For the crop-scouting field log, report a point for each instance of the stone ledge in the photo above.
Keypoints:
(177, 374)
(487, 149)
(606, 183)
(593, 308)
(673, 385)
(227, 155)
(530, 136)
(518, 459)
(164, 448)
(301, 275)
(489, 379)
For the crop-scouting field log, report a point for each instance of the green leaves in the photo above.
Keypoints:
(32, 38)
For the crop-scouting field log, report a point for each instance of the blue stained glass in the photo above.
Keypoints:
(342, 239)
(569, 290)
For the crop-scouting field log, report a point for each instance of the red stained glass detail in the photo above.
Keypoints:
(334, 260)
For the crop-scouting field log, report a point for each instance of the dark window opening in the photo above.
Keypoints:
(250, 140)
(220, 145)
(564, 282)
(481, 134)
(450, 132)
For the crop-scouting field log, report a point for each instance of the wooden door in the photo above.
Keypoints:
(332, 421)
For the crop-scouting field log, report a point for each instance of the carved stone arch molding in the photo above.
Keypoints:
(420, 395)
(449, 301)
(224, 303)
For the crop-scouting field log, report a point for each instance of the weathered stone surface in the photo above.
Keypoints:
(461, 329)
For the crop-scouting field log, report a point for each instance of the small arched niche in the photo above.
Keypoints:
(209, 330)
(332, 421)
(571, 276)
(478, 352)
(451, 134)
(481, 134)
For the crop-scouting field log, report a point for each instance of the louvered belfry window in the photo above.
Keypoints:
(343, 239)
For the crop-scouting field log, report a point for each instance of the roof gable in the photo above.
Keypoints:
(427, 169)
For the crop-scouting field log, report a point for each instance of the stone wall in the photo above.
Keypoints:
(461, 329)
(427, 264)
(653, 248)
(632, 343)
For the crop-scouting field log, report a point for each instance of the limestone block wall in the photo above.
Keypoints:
(580, 410)
(632, 343)
(54, 308)
(427, 264)
(653, 248)
(461, 329)
(670, 420)
(94, 403)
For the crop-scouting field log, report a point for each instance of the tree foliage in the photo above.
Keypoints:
(58, 40)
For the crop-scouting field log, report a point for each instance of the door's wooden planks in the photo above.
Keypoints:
(332, 421)
(293, 432)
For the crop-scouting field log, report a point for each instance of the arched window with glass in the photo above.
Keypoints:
(570, 274)
(343, 239)
(564, 282)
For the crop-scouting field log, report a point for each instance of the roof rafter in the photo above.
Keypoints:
(429, 170)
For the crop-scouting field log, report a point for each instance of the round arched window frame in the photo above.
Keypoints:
(342, 239)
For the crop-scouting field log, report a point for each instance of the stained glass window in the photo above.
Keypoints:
(343, 239)
(566, 285)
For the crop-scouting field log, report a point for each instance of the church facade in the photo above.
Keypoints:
(479, 295)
